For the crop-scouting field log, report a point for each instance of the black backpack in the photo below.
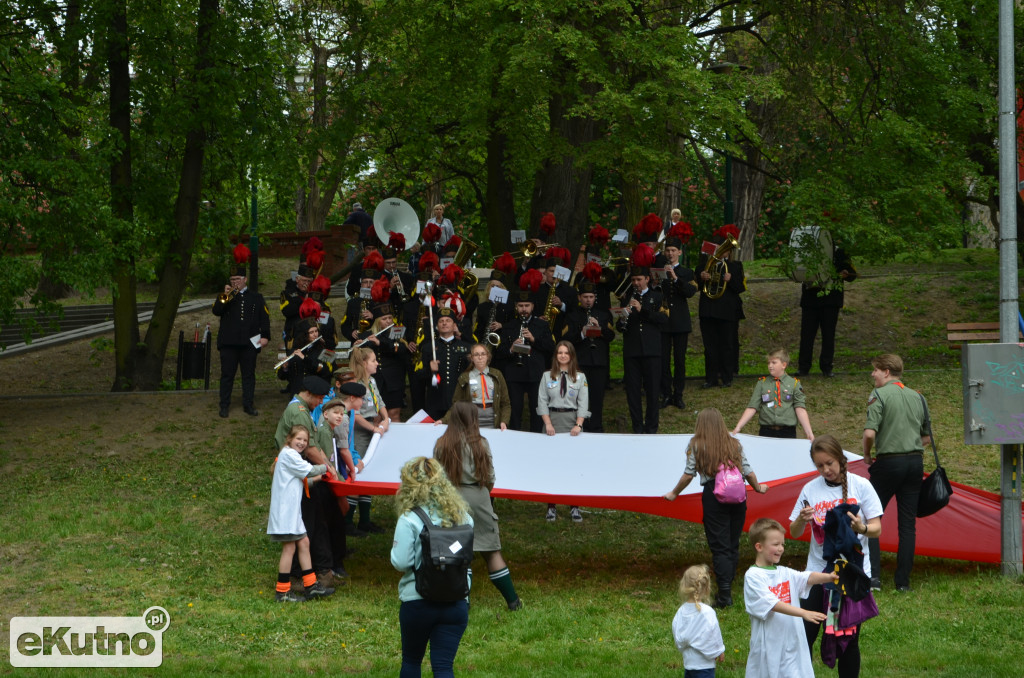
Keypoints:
(447, 554)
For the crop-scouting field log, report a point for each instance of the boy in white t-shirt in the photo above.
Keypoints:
(771, 592)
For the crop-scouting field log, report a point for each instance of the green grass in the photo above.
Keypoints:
(152, 500)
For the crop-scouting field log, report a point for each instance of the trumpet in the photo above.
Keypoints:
(399, 287)
(226, 297)
(530, 248)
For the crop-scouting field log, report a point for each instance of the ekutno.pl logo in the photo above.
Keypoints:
(89, 641)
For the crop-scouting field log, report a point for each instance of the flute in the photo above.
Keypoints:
(301, 350)
(363, 341)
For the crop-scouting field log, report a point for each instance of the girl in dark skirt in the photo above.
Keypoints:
(466, 458)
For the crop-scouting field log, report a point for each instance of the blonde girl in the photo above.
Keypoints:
(285, 522)
(695, 626)
(425, 485)
(710, 448)
(466, 458)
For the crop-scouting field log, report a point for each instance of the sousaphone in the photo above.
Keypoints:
(395, 214)
(812, 261)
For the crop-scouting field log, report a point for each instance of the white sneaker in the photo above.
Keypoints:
(574, 513)
(551, 515)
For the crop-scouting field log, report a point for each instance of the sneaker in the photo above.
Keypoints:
(288, 597)
(722, 603)
(876, 584)
(339, 572)
(551, 515)
(574, 513)
(903, 588)
(516, 604)
(318, 590)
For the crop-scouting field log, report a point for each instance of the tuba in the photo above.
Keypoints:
(395, 214)
(470, 281)
(716, 267)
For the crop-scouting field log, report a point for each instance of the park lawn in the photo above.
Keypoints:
(181, 525)
(113, 504)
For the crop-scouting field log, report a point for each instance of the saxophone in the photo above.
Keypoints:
(550, 312)
(421, 334)
(364, 324)
(493, 338)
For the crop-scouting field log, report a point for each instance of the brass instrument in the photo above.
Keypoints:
(226, 297)
(364, 324)
(530, 248)
(714, 288)
(399, 287)
(493, 338)
(470, 282)
(550, 311)
(421, 333)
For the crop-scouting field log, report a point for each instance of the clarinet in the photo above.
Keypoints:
(590, 340)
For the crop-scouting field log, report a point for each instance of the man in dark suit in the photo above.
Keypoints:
(641, 348)
(244, 330)
(678, 286)
(819, 308)
(443, 362)
(590, 330)
(526, 356)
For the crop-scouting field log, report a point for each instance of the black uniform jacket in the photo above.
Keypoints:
(243, 317)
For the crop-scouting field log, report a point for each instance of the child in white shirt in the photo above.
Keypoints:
(771, 593)
(695, 626)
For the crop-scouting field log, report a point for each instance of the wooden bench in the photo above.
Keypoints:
(972, 332)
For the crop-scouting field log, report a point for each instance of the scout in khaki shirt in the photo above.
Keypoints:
(778, 401)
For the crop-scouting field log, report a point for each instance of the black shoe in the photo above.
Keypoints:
(288, 597)
(726, 384)
(251, 411)
(339, 572)
(223, 413)
(802, 373)
(666, 401)
(677, 401)
(722, 603)
(708, 384)
(903, 588)
(352, 531)
(828, 375)
(371, 528)
(876, 584)
(516, 604)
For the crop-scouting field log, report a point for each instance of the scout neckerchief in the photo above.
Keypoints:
(483, 384)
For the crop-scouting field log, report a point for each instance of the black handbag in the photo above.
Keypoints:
(935, 490)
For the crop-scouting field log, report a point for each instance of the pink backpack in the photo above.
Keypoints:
(729, 487)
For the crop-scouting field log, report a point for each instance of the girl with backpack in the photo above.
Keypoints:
(466, 458)
(717, 458)
(441, 624)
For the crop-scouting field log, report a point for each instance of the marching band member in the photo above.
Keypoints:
(358, 310)
(641, 342)
(442, 362)
(589, 328)
(243, 317)
(526, 346)
(678, 286)
(719, 318)
(563, 299)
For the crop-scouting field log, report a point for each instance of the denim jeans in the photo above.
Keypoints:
(899, 476)
(440, 624)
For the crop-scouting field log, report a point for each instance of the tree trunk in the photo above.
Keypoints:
(126, 326)
(499, 208)
(631, 210)
(749, 179)
(562, 186)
